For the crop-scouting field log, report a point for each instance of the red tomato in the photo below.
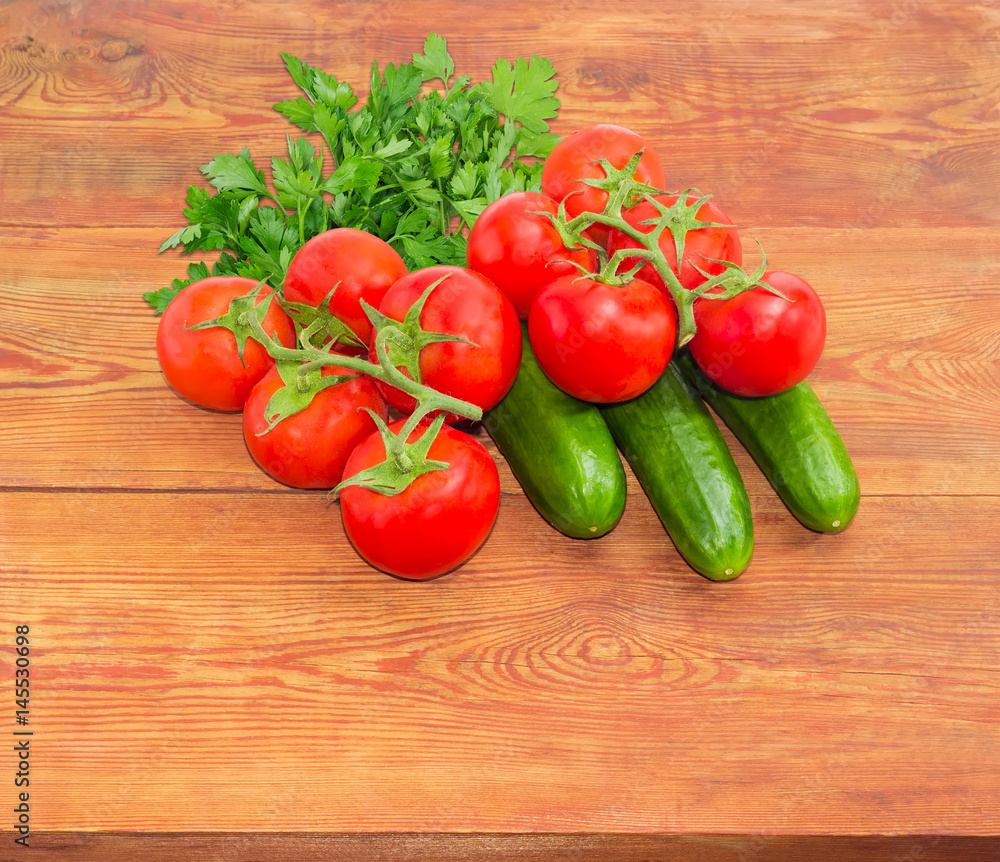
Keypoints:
(573, 160)
(435, 524)
(469, 305)
(521, 252)
(358, 264)
(758, 343)
(701, 245)
(309, 449)
(599, 342)
(203, 365)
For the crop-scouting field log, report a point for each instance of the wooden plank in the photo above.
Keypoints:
(549, 685)
(856, 117)
(90, 847)
(86, 300)
(129, 430)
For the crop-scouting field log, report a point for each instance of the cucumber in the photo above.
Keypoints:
(686, 469)
(561, 452)
(795, 444)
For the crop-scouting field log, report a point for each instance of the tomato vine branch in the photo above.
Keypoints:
(405, 461)
(678, 218)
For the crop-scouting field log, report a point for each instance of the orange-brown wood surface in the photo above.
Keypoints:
(211, 658)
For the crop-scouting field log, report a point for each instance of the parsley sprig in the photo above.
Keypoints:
(414, 165)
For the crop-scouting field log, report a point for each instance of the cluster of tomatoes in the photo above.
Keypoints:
(599, 334)
(441, 518)
(608, 342)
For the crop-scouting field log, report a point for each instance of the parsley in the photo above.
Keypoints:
(414, 166)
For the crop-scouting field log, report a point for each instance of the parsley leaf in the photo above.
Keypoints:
(523, 92)
(236, 174)
(435, 62)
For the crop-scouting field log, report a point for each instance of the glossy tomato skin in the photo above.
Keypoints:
(701, 246)
(435, 524)
(363, 265)
(310, 448)
(757, 343)
(599, 342)
(467, 304)
(572, 161)
(520, 251)
(203, 365)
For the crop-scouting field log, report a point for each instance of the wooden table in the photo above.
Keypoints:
(210, 660)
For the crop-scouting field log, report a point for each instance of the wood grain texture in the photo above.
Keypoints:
(540, 676)
(214, 664)
(297, 847)
(856, 115)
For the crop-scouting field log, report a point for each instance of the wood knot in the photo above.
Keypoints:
(30, 46)
(114, 50)
(606, 649)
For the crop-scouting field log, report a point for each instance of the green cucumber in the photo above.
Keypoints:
(561, 452)
(795, 444)
(686, 469)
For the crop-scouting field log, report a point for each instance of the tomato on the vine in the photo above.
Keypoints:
(358, 264)
(467, 304)
(757, 343)
(437, 522)
(309, 448)
(601, 342)
(519, 249)
(702, 245)
(574, 159)
(204, 365)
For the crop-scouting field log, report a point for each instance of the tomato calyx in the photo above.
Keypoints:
(623, 189)
(609, 271)
(400, 343)
(317, 326)
(735, 280)
(237, 318)
(679, 218)
(404, 463)
(298, 392)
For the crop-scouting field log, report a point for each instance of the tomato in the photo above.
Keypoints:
(573, 160)
(701, 245)
(358, 264)
(757, 343)
(519, 250)
(599, 342)
(203, 365)
(309, 449)
(469, 305)
(436, 523)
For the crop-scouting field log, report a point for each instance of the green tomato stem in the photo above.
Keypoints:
(649, 249)
(408, 462)
(428, 399)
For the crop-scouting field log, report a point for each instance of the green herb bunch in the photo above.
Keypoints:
(414, 166)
